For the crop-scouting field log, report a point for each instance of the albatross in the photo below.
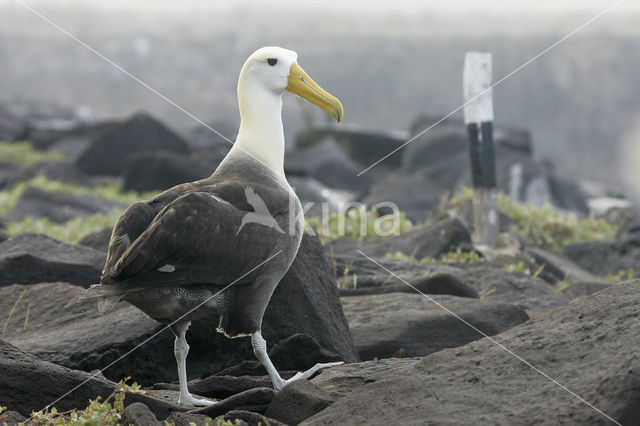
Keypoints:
(220, 246)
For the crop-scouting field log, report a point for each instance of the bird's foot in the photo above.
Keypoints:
(194, 402)
(306, 374)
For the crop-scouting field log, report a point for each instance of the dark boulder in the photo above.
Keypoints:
(188, 419)
(97, 240)
(139, 414)
(249, 418)
(297, 402)
(366, 146)
(256, 400)
(436, 283)
(491, 281)
(318, 199)
(413, 194)
(428, 241)
(34, 258)
(29, 384)
(220, 387)
(526, 291)
(413, 325)
(607, 256)
(558, 268)
(435, 147)
(589, 347)
(12, 127)
(107, 153)
(58, 207)
(159, 170)
(328, 163)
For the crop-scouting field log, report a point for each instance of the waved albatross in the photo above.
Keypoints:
(183, 248)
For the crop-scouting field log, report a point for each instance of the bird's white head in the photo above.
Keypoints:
(276, 69)
(265, 76)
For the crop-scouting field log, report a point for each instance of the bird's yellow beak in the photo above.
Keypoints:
(302, 85)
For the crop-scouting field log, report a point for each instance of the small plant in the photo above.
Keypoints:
(24, 154)
(621, 276)
(71, 231)
(9, 198)
(107, 412)
(518, 267)
(545, 226)
(360, 224)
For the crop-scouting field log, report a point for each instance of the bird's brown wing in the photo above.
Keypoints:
(196, 238)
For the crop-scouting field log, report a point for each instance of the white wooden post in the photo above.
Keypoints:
(478, 117)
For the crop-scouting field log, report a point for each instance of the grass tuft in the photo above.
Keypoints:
(546, 226)
(22, 153)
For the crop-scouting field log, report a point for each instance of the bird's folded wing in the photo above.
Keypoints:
(194, 240)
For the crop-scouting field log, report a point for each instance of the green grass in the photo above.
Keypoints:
(360, 224)
(24, 154)
(546, 226)
(457, 256)
(71, 231)
(75, 229)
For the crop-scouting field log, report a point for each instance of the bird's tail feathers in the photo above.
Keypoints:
(107, 296)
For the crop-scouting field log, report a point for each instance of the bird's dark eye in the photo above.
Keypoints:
(272, 61)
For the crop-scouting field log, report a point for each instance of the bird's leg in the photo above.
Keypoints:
(260, 350)
(180, 350)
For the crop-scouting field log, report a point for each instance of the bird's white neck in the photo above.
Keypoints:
(261, 133)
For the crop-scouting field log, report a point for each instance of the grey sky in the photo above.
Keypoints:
(500, 7)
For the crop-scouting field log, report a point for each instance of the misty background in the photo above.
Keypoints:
(388, 63)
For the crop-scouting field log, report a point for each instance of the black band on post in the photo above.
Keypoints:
(482, 155)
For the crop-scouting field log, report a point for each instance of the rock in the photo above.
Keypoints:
(256, 400)
(188, 419)
(597, 336)
(251, 419)
(413, 194)
(106, 153)
(496, 284)
(428, 241)
(434, 147)
(366, 147)
(98, 240)
(12, 127)
(296, 353)
(73, 142)
(438, 283)
(79, 337)
(160, 170)
(58, 207)
(413, 325)
(219, 386)
(297, 402)
(606, 257)
(12, 418)
(492, 282)
(558, 268)
(201, 137)
(329, 164)
(315, 196)
(139, 414)
(29, 384)
(64, 172)
(567, 195)
(10, 174)
(584, 288)
(33, 258)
